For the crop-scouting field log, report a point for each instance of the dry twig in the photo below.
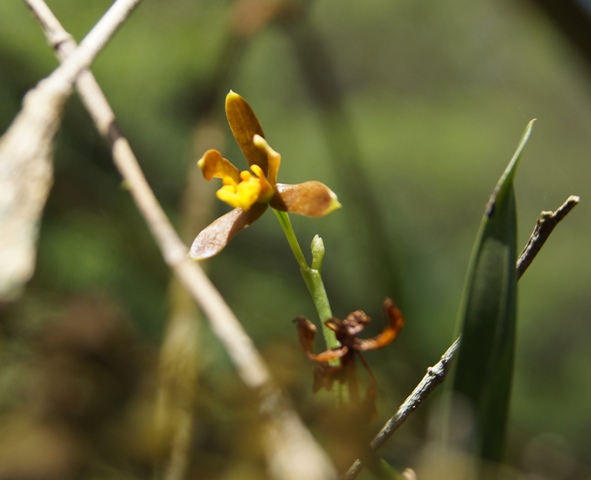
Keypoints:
(544, 226)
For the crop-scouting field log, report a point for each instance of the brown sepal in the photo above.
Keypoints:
(212, 239)
(390, 332)
(307, 332)
(245, 125)
(312, 199)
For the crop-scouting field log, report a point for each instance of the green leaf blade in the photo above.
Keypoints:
(484, 364)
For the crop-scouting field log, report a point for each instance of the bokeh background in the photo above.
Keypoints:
(409, 111)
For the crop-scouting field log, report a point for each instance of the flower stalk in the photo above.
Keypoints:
(312, 276)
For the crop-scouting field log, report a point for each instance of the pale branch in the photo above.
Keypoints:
(437, 373)
(83, 55)
(291, 449)
(26, 169)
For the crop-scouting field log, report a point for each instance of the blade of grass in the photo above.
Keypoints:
(484, 367)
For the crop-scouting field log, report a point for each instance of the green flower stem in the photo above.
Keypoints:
(316, 288)
(312, 276)
(291, 238)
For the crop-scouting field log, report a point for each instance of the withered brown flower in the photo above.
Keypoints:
(346, 332)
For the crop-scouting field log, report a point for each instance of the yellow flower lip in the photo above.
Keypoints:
(239, 189)
(252, 187)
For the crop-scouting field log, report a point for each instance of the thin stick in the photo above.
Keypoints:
(437, 373)
(544, 226)
(95, 41)
(287, 439)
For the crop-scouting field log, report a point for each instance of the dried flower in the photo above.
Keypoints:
(346, 332)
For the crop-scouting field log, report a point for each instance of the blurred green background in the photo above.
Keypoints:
(408, 110)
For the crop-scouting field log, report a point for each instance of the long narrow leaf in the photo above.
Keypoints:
(484, 367)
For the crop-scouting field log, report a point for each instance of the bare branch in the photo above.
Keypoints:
(544, 226)
(92, 44)
(26, 170)
(437, 373)
(292, 451)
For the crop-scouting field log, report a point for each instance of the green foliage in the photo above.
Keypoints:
(484, 368)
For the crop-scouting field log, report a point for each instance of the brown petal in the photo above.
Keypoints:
(216, 236)
(313, 199)
(245, 126)
(390, 332)
(307, 332)
(328, 355)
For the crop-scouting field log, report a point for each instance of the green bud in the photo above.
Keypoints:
(317, 252)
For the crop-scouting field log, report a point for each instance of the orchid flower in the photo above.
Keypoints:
(252, 191)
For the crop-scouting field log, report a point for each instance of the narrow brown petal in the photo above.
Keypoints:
(328, 355)
(307, 332)
(390, 332)
(312, 199)
(245, 126)
(216, 236)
